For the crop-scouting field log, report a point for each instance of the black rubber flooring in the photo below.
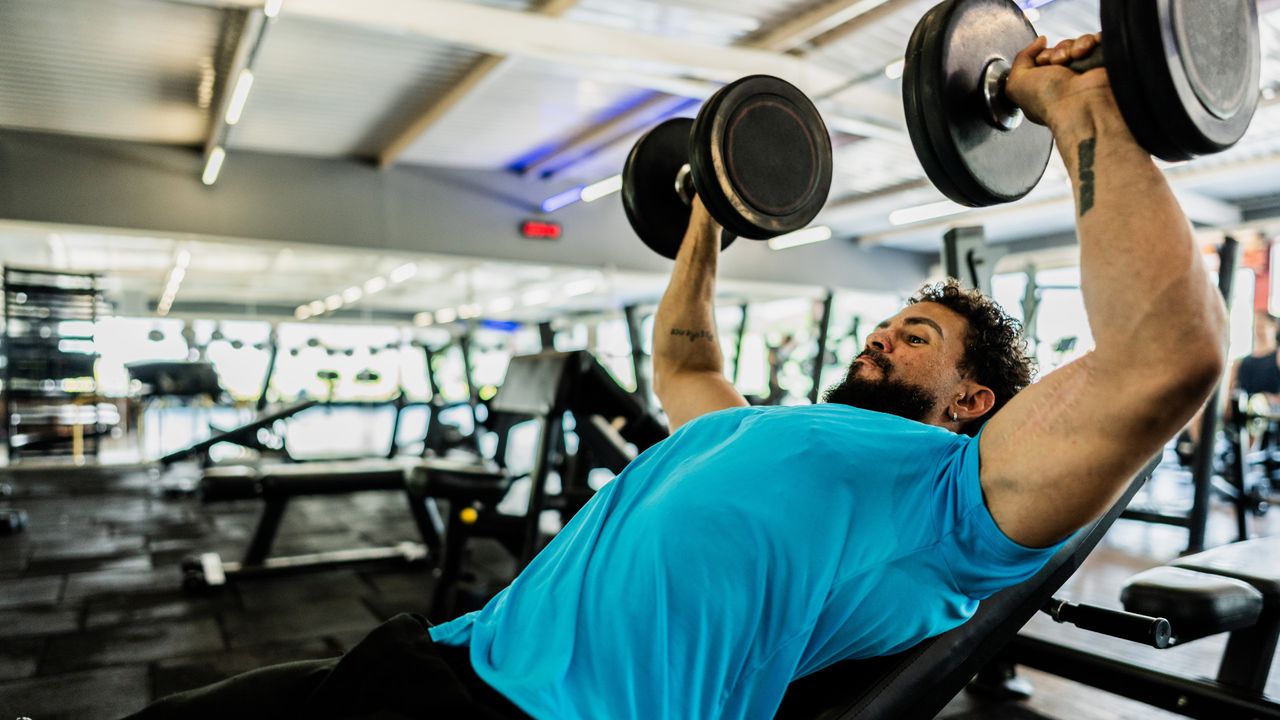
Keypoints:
(94, 623)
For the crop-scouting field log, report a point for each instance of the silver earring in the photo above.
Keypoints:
(954, 416)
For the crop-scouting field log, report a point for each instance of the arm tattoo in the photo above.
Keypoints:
(693, 335)
(1086, 174)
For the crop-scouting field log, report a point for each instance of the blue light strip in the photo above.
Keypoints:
(562, 199)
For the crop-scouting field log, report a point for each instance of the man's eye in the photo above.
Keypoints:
(915, 339)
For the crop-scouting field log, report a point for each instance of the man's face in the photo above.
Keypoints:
(910, 366)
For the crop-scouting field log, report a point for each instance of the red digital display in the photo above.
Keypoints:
(540, 230)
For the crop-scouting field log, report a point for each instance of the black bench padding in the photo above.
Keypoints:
(1196, 604)
(917, 683)
(1256, 562)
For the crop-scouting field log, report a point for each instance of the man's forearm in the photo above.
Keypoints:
(1145, 289)
(684, 328)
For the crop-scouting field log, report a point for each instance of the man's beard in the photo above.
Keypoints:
(886, 394)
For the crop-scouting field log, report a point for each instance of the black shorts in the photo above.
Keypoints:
(395, 672)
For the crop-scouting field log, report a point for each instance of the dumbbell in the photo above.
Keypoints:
(1184, 74)
(758, 154)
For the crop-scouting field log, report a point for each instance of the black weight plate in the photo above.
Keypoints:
(761, 157)
(653, 206)
(977, 163)
(914, 110)
(1201, 76)
(1123, 32)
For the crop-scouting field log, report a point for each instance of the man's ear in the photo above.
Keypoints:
(976, 402)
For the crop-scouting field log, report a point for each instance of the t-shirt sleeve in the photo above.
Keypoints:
(982, 559)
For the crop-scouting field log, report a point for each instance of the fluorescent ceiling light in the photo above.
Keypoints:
(561, 199)
(423, 319)
(541, 297)
(579, 287)
(468, 311)
(333, 302)
(801, 237)
(920, 213)
(352, 294)
(302, 312)
(317, 307)
(501, 305)
(239, 96)
(446, 315)
(271, 8)
(402, 273)
(605, 187)
(893, 70)
(183, 259)
(213, 165)
(375, 285)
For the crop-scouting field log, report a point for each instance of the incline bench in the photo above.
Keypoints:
(917, 683)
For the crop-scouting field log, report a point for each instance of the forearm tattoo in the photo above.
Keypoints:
(693, 335)
(1086, 174)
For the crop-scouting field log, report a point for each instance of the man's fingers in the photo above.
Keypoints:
(1030, 55)
(1083, 46)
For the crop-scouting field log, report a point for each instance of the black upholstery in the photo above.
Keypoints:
(919, 682)
(1196, 604)
(1256, 562)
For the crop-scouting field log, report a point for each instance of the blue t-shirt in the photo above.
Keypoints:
(752, 547)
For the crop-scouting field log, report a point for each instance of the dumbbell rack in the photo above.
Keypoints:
(50, 397)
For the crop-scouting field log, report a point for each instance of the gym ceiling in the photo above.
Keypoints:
(551, 95)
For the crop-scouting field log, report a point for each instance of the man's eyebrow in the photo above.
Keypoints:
(916, 320)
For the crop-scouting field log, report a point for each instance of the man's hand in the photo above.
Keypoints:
(1052, 94)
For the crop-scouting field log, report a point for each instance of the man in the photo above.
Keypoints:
(1259, 371)
(757, 545)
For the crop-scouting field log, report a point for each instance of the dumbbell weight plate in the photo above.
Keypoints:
(1188, 81)
(761, 157)
(964, 154)
(653, 206)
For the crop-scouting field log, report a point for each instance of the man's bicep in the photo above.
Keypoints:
(1059, 453)
(689, 395)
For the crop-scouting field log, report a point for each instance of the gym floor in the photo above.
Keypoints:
(93, 623)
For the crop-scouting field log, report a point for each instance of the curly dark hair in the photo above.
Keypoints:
(995, 353)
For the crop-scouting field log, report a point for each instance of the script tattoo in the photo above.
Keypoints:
(693, 335)
(1086, 174)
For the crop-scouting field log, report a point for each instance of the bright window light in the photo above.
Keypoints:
(579, 287)
(402, 273)
(542, 297)
(920, 213)
(271, 8)
(605, 187)
(239, 96)
(800, 237)
(213, 165)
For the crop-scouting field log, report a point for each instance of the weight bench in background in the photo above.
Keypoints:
(245, 435)
(277, 485)
(917, 683)
(1230, 589)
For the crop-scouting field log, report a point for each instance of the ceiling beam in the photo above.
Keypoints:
(506, 32)
(792, 33)
(439, 107)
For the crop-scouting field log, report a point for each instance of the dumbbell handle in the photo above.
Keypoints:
(1092, 61)
(686, 191)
